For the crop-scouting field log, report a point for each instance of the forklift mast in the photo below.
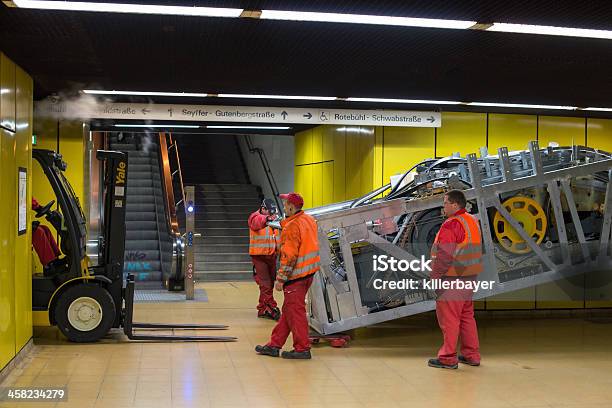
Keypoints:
(111, 253)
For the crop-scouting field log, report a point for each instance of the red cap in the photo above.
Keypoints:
(293, 198)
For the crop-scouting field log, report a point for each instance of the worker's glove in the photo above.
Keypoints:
(279, 286)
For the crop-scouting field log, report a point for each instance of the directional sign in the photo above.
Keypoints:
(244, 114)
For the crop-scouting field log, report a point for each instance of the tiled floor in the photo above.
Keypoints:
(526, 363)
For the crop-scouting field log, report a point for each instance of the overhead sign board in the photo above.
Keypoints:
(246, 114)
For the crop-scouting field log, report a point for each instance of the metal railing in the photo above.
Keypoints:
(172, 177)
(269, 175)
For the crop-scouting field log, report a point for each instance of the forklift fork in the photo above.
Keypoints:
(129, 325)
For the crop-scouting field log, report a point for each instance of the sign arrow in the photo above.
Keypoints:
(284, 115)
(145, 111)
(431, 119)
(308, 115)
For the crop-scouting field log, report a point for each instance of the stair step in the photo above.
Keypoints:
(206, 224)
(223, 257)
(229, 208)
(226, 187)
(221, 248)
(141, 245)
(223, 240)
(222, 232)
(227, 276)
(251, 203)
(223, 266)
(254, 195)
(222, 216)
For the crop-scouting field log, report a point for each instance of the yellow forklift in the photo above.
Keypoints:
(85, 301)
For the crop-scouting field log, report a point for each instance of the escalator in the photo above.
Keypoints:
(149, 243)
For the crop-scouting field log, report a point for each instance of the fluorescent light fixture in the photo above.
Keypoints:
(550, 30)
(170, 125)
(256, 96)
(417, 101)
(598, 109)
(364, 19)
(144, 93)
(521, 105)
(248, 127)
(355, 130)
(129, 8)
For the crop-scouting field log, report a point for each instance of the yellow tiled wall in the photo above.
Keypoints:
(15, 265)
(337, 163)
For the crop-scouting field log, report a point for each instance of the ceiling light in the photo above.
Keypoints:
(145, 93)
(550, 30)
(347, 129)
(171, 125)
(598, 109)
(521, 105)
(419, 101)
(248, 127)
(129, 8)
(255, 96)
(364, 19)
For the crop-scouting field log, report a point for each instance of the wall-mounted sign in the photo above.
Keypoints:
(22, 200)
(245, 114)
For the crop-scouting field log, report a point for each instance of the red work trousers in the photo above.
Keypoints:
(455, 313)
(265, 276)
(44, 244)
(293, 319)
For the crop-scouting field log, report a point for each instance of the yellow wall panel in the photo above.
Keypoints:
(23, 243)
(512, 131)
(8, 233)
(7, 96)
(303, 147)
(317, 187)
(561, 130)
(303, 177)
(317, 144)
(327, 183)
(463, 132)
(359, 161)
(405, 147)
(339, 189)
(599, 134)
(73, 151)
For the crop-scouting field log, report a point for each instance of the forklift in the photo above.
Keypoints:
(85, 301)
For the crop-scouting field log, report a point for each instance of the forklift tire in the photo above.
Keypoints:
(85, 313)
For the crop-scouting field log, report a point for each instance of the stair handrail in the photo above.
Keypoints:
(269, 175)
(169, 148)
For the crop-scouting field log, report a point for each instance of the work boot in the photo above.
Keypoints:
(276, 313)
(296, 355)
(266, 314)
(267, 350)
(434, 362)
(464, 360)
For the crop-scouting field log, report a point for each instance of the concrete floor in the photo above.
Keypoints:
(527, 362)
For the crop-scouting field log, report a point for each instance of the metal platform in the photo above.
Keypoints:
(163, 296)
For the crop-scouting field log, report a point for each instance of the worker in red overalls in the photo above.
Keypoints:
(263, 243)
(299, 261)
(457, 254)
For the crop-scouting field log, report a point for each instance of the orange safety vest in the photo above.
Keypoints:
(305, 251)
(263, 242)
(467, 258)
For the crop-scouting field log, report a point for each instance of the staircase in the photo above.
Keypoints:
(221, 217)
(148, 247)
(224, 199)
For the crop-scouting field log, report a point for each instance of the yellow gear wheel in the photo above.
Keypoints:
(530, 216)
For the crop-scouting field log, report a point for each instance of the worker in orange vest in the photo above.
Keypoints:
(457, 254)
(299, 259)
(263, 243)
